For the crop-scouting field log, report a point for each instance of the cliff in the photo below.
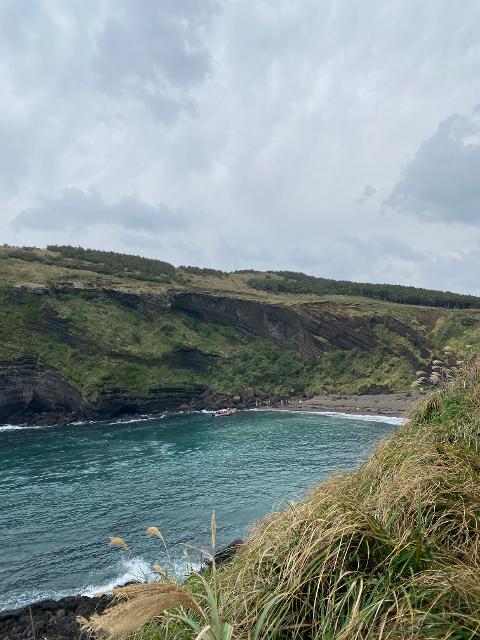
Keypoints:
(79, 343)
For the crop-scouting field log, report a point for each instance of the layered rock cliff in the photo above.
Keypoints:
(73, 350)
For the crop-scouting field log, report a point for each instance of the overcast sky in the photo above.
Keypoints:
(336, 137)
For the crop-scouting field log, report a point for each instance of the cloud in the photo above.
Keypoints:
(367, 192)
(155, 51)
(442, 182)
(76, 210)
(270, 123)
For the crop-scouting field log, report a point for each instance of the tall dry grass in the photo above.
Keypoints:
(390, 551)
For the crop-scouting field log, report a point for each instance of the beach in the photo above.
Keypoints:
(381, 404)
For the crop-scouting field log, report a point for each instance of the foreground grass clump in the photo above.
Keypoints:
(391, 550)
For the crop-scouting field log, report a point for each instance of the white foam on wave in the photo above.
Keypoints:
(131, 570)
(21, 427)
(30, 597)
(121, 421)
(134, 569)
(368, 417)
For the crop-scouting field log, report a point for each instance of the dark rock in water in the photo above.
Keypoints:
(51, 619)
(226, 554)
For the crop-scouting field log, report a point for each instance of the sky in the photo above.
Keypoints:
(336, 137)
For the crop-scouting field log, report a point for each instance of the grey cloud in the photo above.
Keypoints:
(456, 272)
(442, 182)
(73, 209)
(349, 257)
(155, 50)
(281, 116)
(14, 161)
(367, 192)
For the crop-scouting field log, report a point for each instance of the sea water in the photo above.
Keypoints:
(64, 490)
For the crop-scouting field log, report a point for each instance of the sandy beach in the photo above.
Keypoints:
(385, 404)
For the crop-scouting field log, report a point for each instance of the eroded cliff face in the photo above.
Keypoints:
(32, 391)
(29, 391)
(310, 329)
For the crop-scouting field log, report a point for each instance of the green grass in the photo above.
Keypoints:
(123, 348)
(358, 371)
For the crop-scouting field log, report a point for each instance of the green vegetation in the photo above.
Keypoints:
(92, 260)
(105, 321)
(390, 551)
(292, 282)
(111, 262)
(204, 271)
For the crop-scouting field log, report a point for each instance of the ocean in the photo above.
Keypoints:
(64, 490)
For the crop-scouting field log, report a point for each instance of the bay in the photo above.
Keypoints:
(65, 490)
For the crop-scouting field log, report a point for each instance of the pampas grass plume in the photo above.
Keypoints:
(136, 605)
(153, 531)
(116, 541)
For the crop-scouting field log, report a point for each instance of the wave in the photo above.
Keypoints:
(131, 570)
(77, 423)
(18, 427)
(393, 420)
(135, 569)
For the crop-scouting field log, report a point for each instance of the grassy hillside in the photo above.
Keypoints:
(388, 551)
(114, 323)
(292, 282)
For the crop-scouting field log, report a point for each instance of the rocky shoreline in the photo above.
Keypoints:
(386, 404)
(51, 619)
(34, 394)
(57, 619)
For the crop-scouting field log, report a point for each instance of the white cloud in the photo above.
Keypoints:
(263, 121)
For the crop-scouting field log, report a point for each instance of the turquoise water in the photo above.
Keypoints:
(65, 490)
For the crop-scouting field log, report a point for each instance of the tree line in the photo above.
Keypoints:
(293, 282)
(111, 262)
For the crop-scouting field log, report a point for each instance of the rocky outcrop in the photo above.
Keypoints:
(121, 402)
(308, 329)
(222, 556)
(190, 360)
(278, 324)
(439, 372)
(29, 391)
(35, 393)
(52, 619)
(311, 329)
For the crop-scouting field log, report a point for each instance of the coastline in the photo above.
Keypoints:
(381, 404)
(59, 615)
